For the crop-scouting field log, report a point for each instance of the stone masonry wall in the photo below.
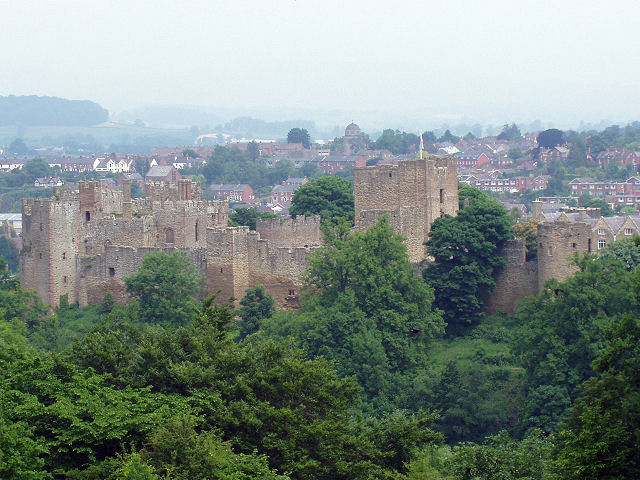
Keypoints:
(558, 242)
(238, 258)
(517, 279)
(428, 185)
(105, 272)
(290, 232)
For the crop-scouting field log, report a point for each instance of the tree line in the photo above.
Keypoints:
(375, 376)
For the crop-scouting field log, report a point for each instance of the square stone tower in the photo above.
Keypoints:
(413, 194)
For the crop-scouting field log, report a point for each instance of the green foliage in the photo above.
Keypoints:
(18, 147)
(248, 217)
(166, 287)
(368, 311)
(134, 467)
(502, 458)
(578, 152)
(232, 165)
(396, 142)
(447, 136)
(514, 153)
(605, 208)
(556, 185)
(600, 436)
(68, 324)
(626, 249)
(550, 138)
(256, 307)
(10, 253)
(177, 450)
(474, 381)
(464, 248)
(562, 331)
(510, 133)
(329, 197)
(299, 135)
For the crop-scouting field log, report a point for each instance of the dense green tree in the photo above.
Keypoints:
(396, 142)
(469, 136)
(509, 132)
(248, 217)
(256, 306)
(562, 330)
(299, 135)
(429, 138)
(254, 150)
(329, 197)
(514, 153)
(35, 168)
(502, 458)
(550, 138)
(447, 136)
(578, 153)
(369, 312)
(600, 437)
(465, 251)
(166, 287)
(605, 208)
(556, 184)
(49, 111)
(260, 395)
(18, 147)
(10, 253)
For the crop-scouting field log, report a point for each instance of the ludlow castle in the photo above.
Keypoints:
(83, 243)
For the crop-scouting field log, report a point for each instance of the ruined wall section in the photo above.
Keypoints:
(90, 196)
(97, 235)
(105, 272)
(279, 269)
(238, 258)
(517, 279)
(290, 232)
(111, 202)
(558, 242)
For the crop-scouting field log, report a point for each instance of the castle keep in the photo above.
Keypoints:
(412, 194)
(84, 243)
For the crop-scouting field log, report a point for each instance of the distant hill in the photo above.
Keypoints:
(50, 111)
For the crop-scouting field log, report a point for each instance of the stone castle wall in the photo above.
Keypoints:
(290, 232)
(238, 258)
(413, 194)
(63, 234)
(518, 278)
(105, 272)
(558, 242)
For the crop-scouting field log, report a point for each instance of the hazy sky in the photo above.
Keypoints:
(483, 60)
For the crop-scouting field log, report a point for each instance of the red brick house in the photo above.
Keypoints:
(240, 192)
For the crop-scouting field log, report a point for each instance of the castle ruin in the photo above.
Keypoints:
(84, 243)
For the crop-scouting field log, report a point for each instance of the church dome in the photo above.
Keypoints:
(352, 129)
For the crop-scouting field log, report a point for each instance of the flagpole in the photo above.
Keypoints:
(421, 145)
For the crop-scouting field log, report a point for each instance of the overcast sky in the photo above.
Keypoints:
(486, 61)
